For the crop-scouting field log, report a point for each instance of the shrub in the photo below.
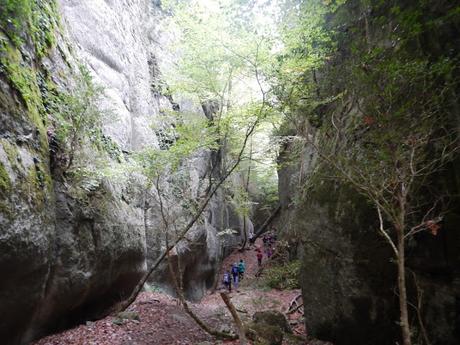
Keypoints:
(284, 276)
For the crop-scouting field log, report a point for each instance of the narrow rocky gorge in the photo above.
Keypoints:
(88, 106)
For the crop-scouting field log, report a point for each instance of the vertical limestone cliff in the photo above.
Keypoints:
(71, 248)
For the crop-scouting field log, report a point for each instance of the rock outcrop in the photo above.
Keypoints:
(348, 276)
(68, 250)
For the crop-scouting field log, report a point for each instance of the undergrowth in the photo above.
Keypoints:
(282, 276)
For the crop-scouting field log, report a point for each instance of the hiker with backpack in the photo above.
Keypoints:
(259, 257)
(227, 281)
(235, 275)
(241, 269)
(269, 252)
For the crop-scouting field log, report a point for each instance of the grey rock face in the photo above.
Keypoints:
(99, 255)
(117, 39)
(26, 216)
(348, 274)
(68, 252)
(348, 278)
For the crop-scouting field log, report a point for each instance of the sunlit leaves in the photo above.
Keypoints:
(191, 134)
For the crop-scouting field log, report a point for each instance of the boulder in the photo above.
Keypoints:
(272, 318)
(268, 328)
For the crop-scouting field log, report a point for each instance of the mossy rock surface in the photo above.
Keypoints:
(5, 183)
(264, 334)
(268, 328)
(272, 318)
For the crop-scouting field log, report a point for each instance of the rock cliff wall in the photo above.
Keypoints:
(71, 248)
(348, 278)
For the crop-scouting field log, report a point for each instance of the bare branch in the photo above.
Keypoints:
(385, 234)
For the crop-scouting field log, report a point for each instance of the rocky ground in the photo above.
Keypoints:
(156, 318)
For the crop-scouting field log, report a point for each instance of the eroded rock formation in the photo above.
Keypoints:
(67, 252)
(348, 275)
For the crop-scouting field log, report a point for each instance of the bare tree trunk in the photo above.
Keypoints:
(246, 188)
(265, 225)
(418, 309)
(236, 318)
(405, 326)
(180, 294)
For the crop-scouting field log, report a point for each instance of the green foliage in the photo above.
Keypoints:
(188, 136)
(76, 115)
(15, 18)
(307, 46)
(34, 19)
(381, 101)
(44, 21)
(22, 21)
(223, 56)
(283, 276)
(242, 201)
(217, 49)
(266, 187)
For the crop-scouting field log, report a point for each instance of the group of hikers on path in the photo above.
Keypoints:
(269, 241)
(234, 275)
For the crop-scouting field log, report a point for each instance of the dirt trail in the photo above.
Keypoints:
(162, 321)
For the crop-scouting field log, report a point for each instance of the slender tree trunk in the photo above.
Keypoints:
(180, 294)
(267, 222)
(405, 326)
(236, 318)
(246, 188)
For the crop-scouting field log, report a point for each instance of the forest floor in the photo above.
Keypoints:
(158, 318)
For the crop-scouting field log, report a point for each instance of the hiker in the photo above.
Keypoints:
(269, 252)
(241, 269)
(264, 239)
(235, 275)
(259, 257)
(227, 281)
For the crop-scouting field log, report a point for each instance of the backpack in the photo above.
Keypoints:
(235, 270)
(226, 278)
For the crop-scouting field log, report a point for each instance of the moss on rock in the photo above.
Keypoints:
(23, 79)
(264, 334)
(27, 23)
(10, 150)
(30, 19)
(5, 182)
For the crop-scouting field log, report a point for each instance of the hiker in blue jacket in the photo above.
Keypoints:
(228, 281)
(235, 275)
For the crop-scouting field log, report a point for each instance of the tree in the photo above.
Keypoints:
(169, 223)
(209, 73)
